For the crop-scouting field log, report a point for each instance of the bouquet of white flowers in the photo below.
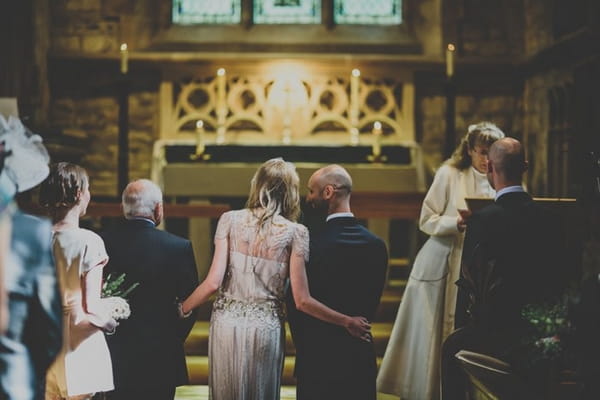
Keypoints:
(117, 307)
(114, 297)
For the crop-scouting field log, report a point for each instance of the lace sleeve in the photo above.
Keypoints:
(223, 226)
(300, 244)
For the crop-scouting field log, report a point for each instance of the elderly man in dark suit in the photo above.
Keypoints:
(513, 247)
(147, 349)
(346, 271)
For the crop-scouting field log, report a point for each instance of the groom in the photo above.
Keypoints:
(346, 272)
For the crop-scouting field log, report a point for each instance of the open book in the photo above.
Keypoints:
(477, 203)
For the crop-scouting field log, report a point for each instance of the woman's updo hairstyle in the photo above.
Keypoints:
(62, 189)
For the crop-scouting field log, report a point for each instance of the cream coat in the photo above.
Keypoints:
(411, 364)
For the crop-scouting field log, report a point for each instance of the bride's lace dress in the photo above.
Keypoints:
(246, 345)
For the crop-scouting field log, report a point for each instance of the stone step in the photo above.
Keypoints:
(197, 342)
(200, 392)
(198, 370)
(398, 269)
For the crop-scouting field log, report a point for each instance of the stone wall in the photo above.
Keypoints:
(100, 26)
(95, 120)
(89, 110)
(546, 23)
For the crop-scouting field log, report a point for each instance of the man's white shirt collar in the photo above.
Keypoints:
(509, 189)
(339, 215)
(143, 219)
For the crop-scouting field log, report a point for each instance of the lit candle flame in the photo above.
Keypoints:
(124, 58)
(450, 60)
(356, 72)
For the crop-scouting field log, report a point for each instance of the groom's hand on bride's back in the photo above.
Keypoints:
(360, 328)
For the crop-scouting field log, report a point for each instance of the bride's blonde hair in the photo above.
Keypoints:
(274, 189)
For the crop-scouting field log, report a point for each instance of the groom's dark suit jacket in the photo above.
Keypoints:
(526, 240)
(346, 271)
(147, 349)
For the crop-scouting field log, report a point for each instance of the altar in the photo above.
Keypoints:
(218, 127)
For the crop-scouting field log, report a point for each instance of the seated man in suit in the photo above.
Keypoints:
(346, 271)
(147, 349)
(514, 246)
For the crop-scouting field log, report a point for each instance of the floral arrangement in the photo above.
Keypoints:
(550, 329)
(546, 347)
(114, 296)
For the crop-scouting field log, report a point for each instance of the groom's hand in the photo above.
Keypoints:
(360, 328)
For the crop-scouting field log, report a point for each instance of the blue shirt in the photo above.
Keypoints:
(509, 189)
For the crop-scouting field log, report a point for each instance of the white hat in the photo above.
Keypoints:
(27, 161)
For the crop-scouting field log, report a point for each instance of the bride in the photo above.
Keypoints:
(256, 250)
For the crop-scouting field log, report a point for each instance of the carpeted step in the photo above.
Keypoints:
(198, 370)
(197, 342)
(399, 268)
(200, 392)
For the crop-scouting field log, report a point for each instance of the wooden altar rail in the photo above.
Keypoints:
(387, 205)
(170, 210)
(99, 210)
(364, 205)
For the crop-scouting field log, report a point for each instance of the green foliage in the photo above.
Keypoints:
(550, 330)
(114, 287)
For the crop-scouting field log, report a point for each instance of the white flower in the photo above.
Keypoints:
(117, 307)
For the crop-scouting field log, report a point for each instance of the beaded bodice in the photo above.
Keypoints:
(258, 264)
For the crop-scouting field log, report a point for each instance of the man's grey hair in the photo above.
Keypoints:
(140, 198)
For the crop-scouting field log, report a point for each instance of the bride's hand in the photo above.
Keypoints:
(360, 328)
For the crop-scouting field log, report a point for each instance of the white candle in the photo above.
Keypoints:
(221, 91)
(450, 60)
(376, 138)
(124, 58)
(354, 99)
(200, 137)
(221, 105)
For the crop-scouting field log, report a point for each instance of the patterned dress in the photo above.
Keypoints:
(246, 344)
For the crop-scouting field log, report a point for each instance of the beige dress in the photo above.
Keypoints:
(411, 364)
(246, 344)
(84, 364)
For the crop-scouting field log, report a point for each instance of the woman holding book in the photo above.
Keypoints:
(411, 364)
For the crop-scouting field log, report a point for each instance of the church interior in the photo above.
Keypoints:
(196, 94)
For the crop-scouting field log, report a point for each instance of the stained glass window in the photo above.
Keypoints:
(373, 12)
(287, 11)
(187, 12)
